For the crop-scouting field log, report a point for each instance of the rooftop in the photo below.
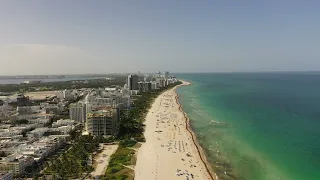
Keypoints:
(102, 113)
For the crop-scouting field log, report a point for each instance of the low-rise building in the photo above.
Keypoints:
(63, 122)
(38, 132)
(39, 121)
(31, 116)
(11, 165)
(6, 176)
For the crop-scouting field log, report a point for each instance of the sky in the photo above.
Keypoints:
(98, 36)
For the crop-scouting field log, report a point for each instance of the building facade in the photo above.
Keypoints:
(103, 122)
(161, 82)
(113, 101)
(166, 75)
(132, 82)
(6, 176)
(154, 85)
(78, 112)
(144, 86)
(15, 166)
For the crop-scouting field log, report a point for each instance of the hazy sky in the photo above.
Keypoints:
(102, 36)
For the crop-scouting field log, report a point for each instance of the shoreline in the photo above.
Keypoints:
(200, 150)
(171, 150)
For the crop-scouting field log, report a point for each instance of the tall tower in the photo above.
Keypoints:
(132, 82)
(166, 75)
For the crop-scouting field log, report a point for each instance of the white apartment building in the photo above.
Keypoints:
(78, 112)
(154, 85)
(28, 109)
(63, 122)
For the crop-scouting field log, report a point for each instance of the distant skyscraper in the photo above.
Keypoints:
(132, 82)
(166, 75)
(78, 112)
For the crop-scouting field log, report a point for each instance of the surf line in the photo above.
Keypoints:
(195, 142)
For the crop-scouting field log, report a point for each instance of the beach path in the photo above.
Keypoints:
(102, 160)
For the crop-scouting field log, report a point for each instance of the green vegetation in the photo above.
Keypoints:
(127, 142)
(75, 161)
(121, 158)
(22, 121)
(2, 154)
(74, 84)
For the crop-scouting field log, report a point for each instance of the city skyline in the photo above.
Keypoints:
(58, 37)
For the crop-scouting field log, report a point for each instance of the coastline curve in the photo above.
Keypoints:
(200, 151)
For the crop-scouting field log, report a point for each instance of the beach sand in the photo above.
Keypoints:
(170, 151)
(102, 159)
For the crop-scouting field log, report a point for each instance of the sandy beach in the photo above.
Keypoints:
(170, 150)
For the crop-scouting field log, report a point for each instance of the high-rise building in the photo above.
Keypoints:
(103, 122)
(132, 82)
(166, 74)
(144, 86)
(78, 112)
(154, 85)
(6, 175)
(161, 82)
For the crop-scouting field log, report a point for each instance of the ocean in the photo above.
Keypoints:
(256, 126)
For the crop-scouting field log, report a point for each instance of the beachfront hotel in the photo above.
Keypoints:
(103, 122)
(144, 86)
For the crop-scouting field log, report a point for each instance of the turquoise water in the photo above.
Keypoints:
(257, 126)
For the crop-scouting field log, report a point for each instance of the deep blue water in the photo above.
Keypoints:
(265, 125)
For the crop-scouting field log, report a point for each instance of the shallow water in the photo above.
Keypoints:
(256, 126)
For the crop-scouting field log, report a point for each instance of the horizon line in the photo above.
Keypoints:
(195, 72)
